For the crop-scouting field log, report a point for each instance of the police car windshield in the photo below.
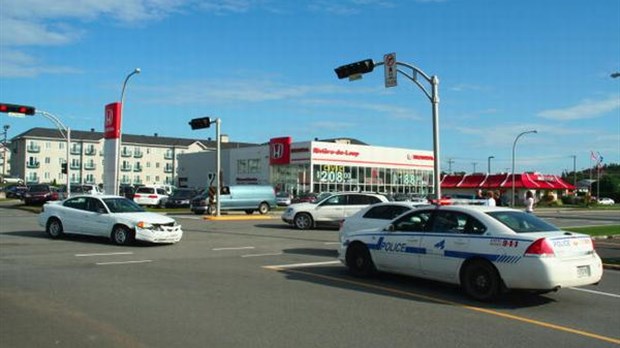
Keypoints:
(522, 222)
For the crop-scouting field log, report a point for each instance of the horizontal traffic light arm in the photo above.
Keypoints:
(17, 109)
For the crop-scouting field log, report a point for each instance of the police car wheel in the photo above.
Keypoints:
(359, 261)
(480, 280)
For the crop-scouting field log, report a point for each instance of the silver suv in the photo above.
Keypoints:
(330, 210)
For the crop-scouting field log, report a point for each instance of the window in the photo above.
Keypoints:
(76, 203)
(522, 222)
(417, 221)
(336, 200)
(386, 212)
(362, 199)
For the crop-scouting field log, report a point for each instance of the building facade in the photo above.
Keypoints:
(315, 166)
(38, 155)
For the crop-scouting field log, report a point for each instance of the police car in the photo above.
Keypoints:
(485, 250)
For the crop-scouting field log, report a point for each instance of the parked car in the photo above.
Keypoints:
(154, 196)
(283, 198)
(12, 180)
(40, 193)
(606, 201)
(248, 198)
(181, 198)
(15, 191)
(114, 217)
(76, 189)
(377, 215)
(329, 211)
(483, 249)
(126, 191)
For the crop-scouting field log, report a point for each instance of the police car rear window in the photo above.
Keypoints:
(522, 222)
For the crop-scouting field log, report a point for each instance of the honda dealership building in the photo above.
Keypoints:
(314, 166)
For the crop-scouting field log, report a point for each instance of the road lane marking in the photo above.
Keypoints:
(299, 265)
(121, 262)
(259, 255)
(295, 269)
(105, 254)
(596, 292)
(233, 248)
(332, 243)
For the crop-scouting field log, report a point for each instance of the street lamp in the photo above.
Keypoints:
(6, 128)
(355, 70)
(120, 135)
(574, 170)
(512, 204)
(489, 164)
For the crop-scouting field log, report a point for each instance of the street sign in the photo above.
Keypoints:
(389, 65)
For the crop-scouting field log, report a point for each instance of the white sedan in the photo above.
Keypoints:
(606, 201)
(118, 218)
(485, 250)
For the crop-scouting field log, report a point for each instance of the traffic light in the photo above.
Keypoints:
(357, 68)
(63, 168)
(199, 123)
(17, 109)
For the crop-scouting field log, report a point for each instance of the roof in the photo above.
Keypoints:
(504, 180)
(94, 136)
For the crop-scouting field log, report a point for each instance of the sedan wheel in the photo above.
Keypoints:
(481, 281)
(303, 221)
(54, 228)
(121, 235)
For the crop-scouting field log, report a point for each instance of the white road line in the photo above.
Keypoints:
(596, 292)
(235, 248)
(259, 255)
(121, 262)
(104, 254)
(332, 243)
(299, 265)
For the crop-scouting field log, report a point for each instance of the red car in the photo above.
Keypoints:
(40, 193)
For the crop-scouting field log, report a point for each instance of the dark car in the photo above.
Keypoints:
(305, 198)
(40, 193)
(126, 191)
(15, 191)
(181, 198)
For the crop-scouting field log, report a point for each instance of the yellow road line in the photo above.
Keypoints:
(452, 303)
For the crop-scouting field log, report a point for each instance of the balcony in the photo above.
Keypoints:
(32, 165)
(168, 169)
(137, 168)
(126, 168)
(137, 181)
(89, 180)
(126, 153)
(75, 166)
(125, 181)
(32, 148)
(76, 150)
(91, 151)
(168, 155)
(90, 166)
(138, 154)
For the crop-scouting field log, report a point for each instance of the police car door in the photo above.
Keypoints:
(445, 244)
(398, 248)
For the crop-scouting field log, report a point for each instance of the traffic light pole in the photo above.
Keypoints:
(218, 122)
(67, 136)
(433, 96)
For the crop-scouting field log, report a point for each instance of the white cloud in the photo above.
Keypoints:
(585, 110)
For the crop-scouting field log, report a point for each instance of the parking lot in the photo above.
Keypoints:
(260, 283)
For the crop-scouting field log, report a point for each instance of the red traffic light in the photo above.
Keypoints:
(17, 109)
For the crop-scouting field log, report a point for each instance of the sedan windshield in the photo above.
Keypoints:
(122, 205)
(521, 222)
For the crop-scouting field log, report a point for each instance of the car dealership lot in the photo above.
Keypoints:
(260, 283)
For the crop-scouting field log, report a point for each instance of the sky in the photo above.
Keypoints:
(265, 68)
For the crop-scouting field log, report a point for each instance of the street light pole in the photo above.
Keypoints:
(6, 128)
(514, 144)
(574, 170)
(67, 136)
(489, 164)
(120, 133)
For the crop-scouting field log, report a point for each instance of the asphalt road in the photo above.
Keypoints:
(261, 284)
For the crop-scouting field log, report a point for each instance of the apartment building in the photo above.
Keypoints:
(38, 155)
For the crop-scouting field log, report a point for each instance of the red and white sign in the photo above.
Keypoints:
(112, 121)
(390, 72)
(280, 151)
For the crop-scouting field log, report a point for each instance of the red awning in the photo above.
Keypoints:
(451, 181)
(494, 181)
(472, 181)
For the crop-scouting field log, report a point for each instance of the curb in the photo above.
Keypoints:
(236, 218)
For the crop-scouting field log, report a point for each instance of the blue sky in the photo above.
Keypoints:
(265, 67)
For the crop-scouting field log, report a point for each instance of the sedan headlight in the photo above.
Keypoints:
(145, 225)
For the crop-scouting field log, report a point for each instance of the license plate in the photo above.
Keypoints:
(583, 271)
